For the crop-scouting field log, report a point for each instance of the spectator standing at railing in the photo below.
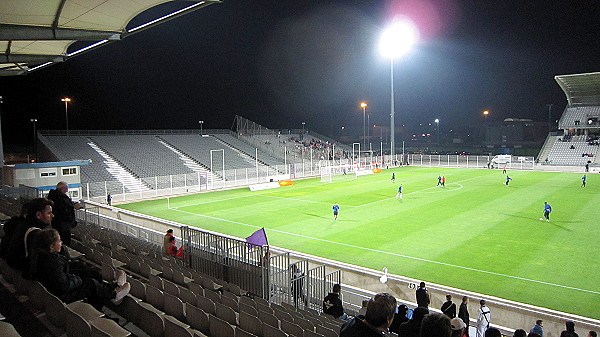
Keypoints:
(64, 211)
(449, 308)
(483, 318)
(537, 328)
(422, 295)
(463, 313)
(570, 332)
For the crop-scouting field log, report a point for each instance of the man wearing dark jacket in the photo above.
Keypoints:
(422, 295)
(64, 211)
(449, 308)
(332, 304)
(39, 215)
(380, 314)
(463, 313)
(9, 229)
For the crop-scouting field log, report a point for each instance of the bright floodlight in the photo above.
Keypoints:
(398, 38)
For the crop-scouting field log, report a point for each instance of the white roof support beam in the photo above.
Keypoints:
(29, 58)
(37, 33)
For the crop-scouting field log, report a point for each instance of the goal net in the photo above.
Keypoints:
(330, 174)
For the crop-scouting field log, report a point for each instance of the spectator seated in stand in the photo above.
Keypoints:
(380, 314)
(9, 229)
(39, 215)
(332, 304)
(50, 266)
(173, 250)
(399, 318)
(436, 325)
(412, 328)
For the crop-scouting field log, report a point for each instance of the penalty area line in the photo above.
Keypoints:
(398, 255)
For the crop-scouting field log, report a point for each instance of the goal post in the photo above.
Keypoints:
(333, 173)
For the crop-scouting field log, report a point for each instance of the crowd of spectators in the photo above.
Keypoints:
(378, 316)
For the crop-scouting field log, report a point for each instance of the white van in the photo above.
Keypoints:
(502, 159)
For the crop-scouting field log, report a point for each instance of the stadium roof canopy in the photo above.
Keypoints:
(36, 34)
(580, 89)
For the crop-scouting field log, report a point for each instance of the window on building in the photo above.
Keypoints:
(69, 171)
(46, 174)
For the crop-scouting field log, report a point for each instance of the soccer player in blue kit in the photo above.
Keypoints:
(547, 211)
(399, 195)
(336, 209)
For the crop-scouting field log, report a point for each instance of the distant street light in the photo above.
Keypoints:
(34, 120)
(363, 105)
(302, 137)
(437, 122)
(395, 42)
(67, 100)
(201, 124)
(485, 114)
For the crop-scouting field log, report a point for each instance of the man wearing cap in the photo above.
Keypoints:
(458, 327)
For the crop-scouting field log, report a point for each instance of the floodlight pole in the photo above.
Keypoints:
(549, 117)
(34, 120)
(392, 125)
(66, 100)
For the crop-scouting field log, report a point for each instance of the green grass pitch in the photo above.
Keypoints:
(475, 234)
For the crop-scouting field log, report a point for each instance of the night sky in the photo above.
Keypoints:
(283, 62)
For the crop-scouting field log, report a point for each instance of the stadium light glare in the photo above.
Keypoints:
(398, 38)
(395, 42)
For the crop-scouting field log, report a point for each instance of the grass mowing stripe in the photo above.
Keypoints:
(395, 254)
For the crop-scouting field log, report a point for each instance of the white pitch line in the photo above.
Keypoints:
(212, 201)
(397, 255)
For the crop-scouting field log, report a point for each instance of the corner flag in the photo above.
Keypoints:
(258, 238)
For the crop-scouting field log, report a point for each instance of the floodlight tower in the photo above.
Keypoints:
(363, 105)
(395, 42)
(437, 126)
(67, 100)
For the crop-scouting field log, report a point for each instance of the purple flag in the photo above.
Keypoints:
(258, 238)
